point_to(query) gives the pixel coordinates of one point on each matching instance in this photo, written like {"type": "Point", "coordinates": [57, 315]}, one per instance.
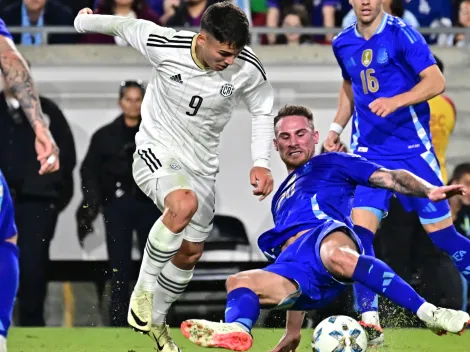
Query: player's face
{"type": "Point", "coordinates": [366, 10]}
{"type": "Point", "coordinates": [216, 55]}
{"type": "Point", "coordinates": [295, 140]}
{"type": "Point", "coordinates": [130, 102]}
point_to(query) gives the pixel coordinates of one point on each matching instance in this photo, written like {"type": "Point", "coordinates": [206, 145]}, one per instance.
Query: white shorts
{"type": "Point", "coordinates": [158, 172]}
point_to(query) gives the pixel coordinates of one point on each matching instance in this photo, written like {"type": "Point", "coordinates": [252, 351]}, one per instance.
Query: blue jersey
{"type": "Point", "coordinates": [3, 30]}
{"type": "Point", "coordinates": [322, 190]}
{"type": "Point", "coordinates": [387, 64]}
{"type": "Point", "coordinates": [7, 214]}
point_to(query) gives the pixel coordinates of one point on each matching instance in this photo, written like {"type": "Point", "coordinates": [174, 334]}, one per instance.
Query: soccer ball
{"type": "Point", "coordinates": [339, 333]}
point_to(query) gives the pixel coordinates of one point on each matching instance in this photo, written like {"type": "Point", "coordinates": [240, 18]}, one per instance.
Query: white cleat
{"type": "Point", "coordinates": [139, 316]}
{"type": "Point", "coordinates": [3, 344]}
{"type": "Point", "coordinates": [445, 321]}
{"type": "Point", "coordinates": [205, 333]}
{"type": "Point", "coordinates": [161, 335]}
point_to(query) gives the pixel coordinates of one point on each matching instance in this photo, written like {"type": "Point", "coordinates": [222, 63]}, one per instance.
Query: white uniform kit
{"type": "Point", "coordinates": [185, 109]}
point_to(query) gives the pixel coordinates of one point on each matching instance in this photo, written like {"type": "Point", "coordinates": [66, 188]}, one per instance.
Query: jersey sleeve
{"type": "Point", "coordinates": [414, 48]}
{"type": "Point", "coordinates": [344, 73]}
{"type": "Point", "coordinates": [136, 32]}
{"type": "Point", "coordinates": [3, 30]}
{"type": "Point", "coordinates": [358, 168]}
{"type": "Point", "coordinates": [257, 94]}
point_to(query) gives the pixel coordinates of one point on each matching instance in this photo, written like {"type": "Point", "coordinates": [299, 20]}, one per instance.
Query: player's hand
{"type": "Point", "coordinates": [47, 150]}
{"type": "Point", "coordinates": [333, 142]}
{"type": "Point", "coordinates": [262, 180]}
{"type": "Point", "coordinates": [384, 106]}
{"type": "Point", "coordinates": [288, 343]}
{"type": "Point", "coordinates": [86, 11]}
{"type": "Point", "coordinates": [439, 193]}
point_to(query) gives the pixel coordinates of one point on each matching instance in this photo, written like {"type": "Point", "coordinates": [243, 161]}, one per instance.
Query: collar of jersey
{"type": "Point", "coordinates": [193, 54]}
{"type": "Point", "coordinates": [379, 29]}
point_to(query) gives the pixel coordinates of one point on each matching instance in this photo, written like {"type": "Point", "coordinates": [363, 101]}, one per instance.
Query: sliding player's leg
{"type": "Point", "coordinates": [291, 283]}
{"type": "Point", "coordinates": [340, 256]}
{"type": "Point", "coordinates": [9, 268]}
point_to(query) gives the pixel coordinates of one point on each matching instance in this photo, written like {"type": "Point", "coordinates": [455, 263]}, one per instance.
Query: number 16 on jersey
{"type": "Point", "coordinates": [370, 84]}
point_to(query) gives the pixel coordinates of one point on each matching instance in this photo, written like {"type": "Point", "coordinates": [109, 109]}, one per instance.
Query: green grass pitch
{"type": "Point", "coordinates": [125, 340]}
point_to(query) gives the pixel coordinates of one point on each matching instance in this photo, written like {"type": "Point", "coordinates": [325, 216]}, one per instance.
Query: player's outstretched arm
{"type": "Point", "coordinates": [405, 182]}
{"type": "Point", "coordinates": [135, 31]}
{"type": "Point", "coordinates": [343, 115]}
{"type": "Point", "coordinates": [291, 338]}
{"type": "Point", "coordinates": [19, 80]}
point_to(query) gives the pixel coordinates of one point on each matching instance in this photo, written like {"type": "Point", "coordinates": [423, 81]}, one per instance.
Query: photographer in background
{"type": "Point", "coordinates": [38, 199]}
{"type": "Point", "coordinates": [108, 187]}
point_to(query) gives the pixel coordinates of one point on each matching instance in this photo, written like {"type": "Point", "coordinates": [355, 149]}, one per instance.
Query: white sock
{"type": "Point", "coordinates": [162, 245]}
{"type": "Point", "coordinates": [171, 283]}
{"type": "Point", "coordinates": [371, 317]}
{"type": "Point", "coordinates": [425, 312]}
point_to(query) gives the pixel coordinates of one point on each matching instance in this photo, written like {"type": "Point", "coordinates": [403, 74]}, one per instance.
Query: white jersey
{"type": "Point", "coordinates": [186, 106]}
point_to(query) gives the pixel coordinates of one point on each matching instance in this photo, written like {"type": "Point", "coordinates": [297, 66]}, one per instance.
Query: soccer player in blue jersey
{"type": "Point", "coordinates": [313, 246]}
{"type": "Point", "coordinates": [16, 73]}
{"type": "Point", "coordinates": [389, 74]}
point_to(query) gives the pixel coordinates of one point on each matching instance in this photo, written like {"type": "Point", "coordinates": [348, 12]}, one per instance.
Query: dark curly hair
{"type": "Point", "coordinates": [106, 7]}
{"type": "Point", "coordinates": [227, 23]}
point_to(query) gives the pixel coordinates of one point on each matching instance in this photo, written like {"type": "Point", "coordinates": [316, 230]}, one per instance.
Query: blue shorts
{"type": "Point", "coordinates": [425, 166]}
{"type": "Point", "coordinates": [7, 214]}
{"type": "Point", "coordinates": [301, 263]}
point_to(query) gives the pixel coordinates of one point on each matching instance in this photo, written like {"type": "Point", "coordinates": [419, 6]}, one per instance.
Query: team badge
{"type": "Point", "coordinates": [367, 57]}
{"type": "Point", "coordinates": [227, 90]}
{"type": "Point", "coordinates": [382, 56]}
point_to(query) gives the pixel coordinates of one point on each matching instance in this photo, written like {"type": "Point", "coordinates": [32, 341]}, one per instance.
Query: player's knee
{"type": "Point", "coordinates": [239, 280]}
{"type": "Point", "coordinates": [342, 262]}
{"type": "Point", "coordinates": [180, 206]}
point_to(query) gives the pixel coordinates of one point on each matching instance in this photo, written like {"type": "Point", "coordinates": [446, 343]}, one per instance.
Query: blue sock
{"type": "Point", "coordinates": [242, 307]}
{"type": "Point", "coordinates": [365, 299]}
{"type": "Point", "coordinates": [9, 276]}
{"type": "Point", "coordinates": [380, 278]}
{"type": "Point", "coordinates": [456, 246]}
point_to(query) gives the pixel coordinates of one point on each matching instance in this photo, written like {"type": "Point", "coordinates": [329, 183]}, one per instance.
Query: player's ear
{"type": "Point", "coordinates": [316, 136]}
{"type": "Point", "coordinates": [201, 38]}
{"type": "Point", "coordinates": [275, 144]}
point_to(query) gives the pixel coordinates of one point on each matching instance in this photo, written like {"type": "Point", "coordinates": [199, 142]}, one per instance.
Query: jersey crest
{"type": "Point", "coordinates": [227, 90]}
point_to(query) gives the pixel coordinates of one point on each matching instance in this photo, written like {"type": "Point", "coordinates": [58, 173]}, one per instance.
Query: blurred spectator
{"type": "Point", "coordinates": [258, 13]}
{"type": "Point", "coordinates": [463, 20]}
{"type": "Point", "coordinates": [393, 7]}
{"type": "Point", "coordinates": [184, 13]}
{"type": "Point", "coordinates": [108, 187]}
{"type": "Point", "coordinates": [296, 17]}
{"type": "Point", "coordinates": [320, 12]}
{"type": "Point", "coordinates": [38, 199]}
{"type": "Point", "coordinates": [39, 13]}
{"type": "Point", "coordinates": [443, 118]}
{"type": "Point", "coordinates": [460, 205]}
{"type": "Point", "coordinates": [432, 13]}
{"type": "Point", "coordinates": [126, 8]}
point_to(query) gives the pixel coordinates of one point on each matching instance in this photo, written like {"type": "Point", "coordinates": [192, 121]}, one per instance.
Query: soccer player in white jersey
{"type": "Point", "coordinates": [197, 80]}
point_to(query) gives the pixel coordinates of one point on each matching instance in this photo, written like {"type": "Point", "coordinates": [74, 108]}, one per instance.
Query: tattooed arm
{"type": "Point", "coordinates": [401, 181]}
{"type": "Point", "coordinates": [20, 83]}
{"type": "Point", "coordinates": [404, 182]}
